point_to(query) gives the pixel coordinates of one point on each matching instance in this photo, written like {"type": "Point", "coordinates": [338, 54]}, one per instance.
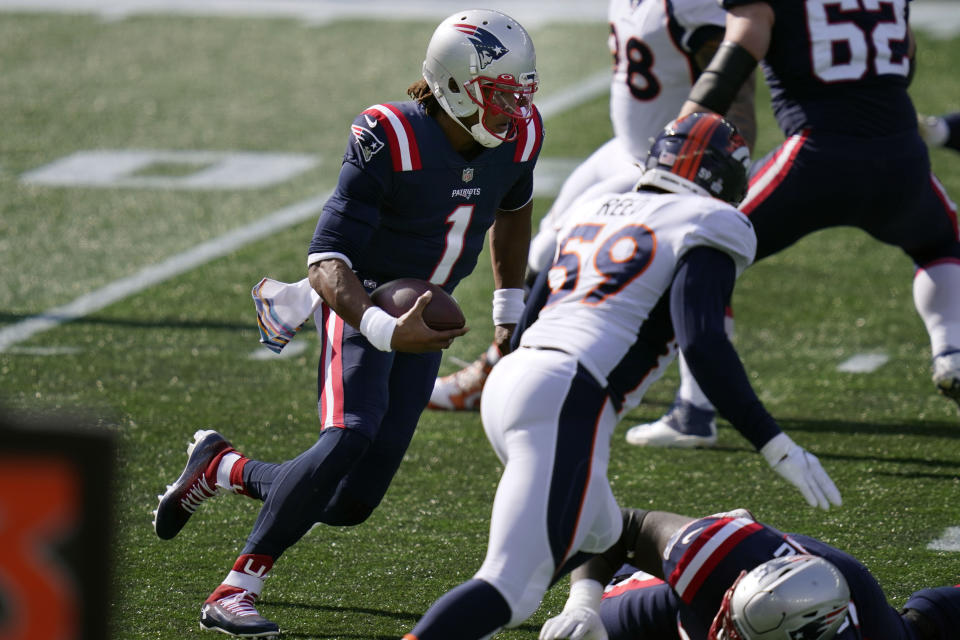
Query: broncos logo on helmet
{"type": "Point", "coordinates": [488, 46]}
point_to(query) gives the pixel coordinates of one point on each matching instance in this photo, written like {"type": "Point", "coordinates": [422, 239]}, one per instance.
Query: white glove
{"type": "Point", "coordinates": [581, 623]}
{"type": "Point", "coordinates": [580, 618]}
{"type": "Point", "coordinates": [802, 469]}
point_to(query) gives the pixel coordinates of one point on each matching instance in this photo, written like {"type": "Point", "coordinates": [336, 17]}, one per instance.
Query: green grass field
{"type": "Point", "coordinates": [176, 356]}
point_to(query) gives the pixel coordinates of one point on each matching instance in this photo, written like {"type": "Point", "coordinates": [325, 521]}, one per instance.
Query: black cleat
{"type": "Point", "coordinates": [192, 487]}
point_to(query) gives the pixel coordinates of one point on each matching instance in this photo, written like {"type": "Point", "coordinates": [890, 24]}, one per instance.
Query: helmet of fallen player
{"type": "Point", "coordinates": [700, 153]}
{"type": "Point", "coordinates": [799, 597]}
{"type": "Point", "coordinates": [482, 61]}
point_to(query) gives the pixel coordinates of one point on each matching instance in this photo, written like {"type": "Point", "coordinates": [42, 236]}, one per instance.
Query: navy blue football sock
{"type": "Point", "coordinates": [258, 477]}
{"type": "Point", "coordinates": [468, 612]}
{"type": "Point", "coordinates": [690, 419]}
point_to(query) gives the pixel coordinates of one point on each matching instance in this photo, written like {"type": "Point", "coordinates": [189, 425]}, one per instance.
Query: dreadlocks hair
{"type": "Point", "coordinates": [420, 91]}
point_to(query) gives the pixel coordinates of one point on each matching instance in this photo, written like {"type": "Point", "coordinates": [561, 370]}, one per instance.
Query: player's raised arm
{"type": "Point", "coordinates": [745, 43]}
{"type": "Point", "coordinates": [742, 112]}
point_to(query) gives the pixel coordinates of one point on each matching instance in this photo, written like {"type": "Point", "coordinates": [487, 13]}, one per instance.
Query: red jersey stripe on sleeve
{"type": "Point", "coordinates": [403, 144]}
{"type": "Point", "coordinates": [529, 138]}
{"type": "Point", "coordinates": [706, 552]}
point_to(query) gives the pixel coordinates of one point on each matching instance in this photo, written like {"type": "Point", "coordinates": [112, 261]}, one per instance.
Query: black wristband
{"type": "Point", "coordinates": [719, 83]}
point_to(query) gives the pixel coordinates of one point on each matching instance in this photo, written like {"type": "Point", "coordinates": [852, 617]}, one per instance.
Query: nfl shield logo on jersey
{"type": "Point", "coordinates": [369, 144]}
{"type": "Point", "coordinates": [467, 174]}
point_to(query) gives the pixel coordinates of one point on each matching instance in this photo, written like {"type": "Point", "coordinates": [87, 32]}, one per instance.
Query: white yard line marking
{"type": "Point", "coordinates": [199, 255]}
{"type": "Point", "coordinates": [155, 274]}
{"type": "Point", "coordinates": [949, 541]}
{"type": "Point", "coordinates": [941, 18]}
{"type": "Point", "coordinates": [292, 350]}
{"type": "Point", "coordinates": [530, 14]}
{"type": "Point", "coordinates": [863, 363]}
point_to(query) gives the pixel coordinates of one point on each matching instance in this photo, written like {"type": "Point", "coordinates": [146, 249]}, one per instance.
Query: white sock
{"type": "Point", "coordinates": [936, 295]}
{"type": "Point", "coordinates": [935, 131]}
{"type": "Point", "coordinates": [224, 469]}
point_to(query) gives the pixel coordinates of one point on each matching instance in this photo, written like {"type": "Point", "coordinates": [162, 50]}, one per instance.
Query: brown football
{"type": "Point", "coordinates": [397, 297]}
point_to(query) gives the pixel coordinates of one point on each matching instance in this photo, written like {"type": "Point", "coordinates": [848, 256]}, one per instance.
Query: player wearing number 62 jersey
{"type": "Point", "coordinates": [838, 73]}
{"type": "Point", "coordinates": [632, 271]}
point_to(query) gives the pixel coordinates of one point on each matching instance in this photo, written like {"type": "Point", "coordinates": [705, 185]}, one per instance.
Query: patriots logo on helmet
{"type": "Point", "coordinates": [811, 631]}
{"type": "Point", "coordinates": [488, 46]}
{"type": "Point", "coordinates": [369, 144]}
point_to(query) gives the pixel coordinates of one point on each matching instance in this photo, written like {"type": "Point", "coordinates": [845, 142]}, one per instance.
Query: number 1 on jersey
{"type": "Point", "coordinates": [458, 221]}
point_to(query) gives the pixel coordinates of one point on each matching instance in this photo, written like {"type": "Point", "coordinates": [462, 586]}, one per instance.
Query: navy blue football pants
{"type": "Point", "coordinates": [369, 403]}
{"type": "Point", "coordinates": [883, 186]}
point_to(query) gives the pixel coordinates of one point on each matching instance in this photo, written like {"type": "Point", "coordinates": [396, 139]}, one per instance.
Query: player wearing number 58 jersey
{"type": "Point", "coordinates": [838, 72]}
{"type": "Point", "coordinates": [420, 184]}
{"type": "Point", "coordinates": [631, 272]}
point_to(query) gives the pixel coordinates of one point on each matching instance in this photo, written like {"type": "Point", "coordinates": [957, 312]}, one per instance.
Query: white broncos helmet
{"type": "Point", "coordinates": [799, 597]}
{"type": "Point", "coordinates": [482, 60]}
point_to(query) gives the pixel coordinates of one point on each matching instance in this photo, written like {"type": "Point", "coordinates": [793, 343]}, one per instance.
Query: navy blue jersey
{"type": "Point", "coordinates": [705, 557]}
{"type": "Point", "coordinates": [408, 205]}
{"type": "Point", "coordinates": [839, 65]}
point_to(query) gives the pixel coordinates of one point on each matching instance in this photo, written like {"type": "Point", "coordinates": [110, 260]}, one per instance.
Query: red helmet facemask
{"type": "Point", "coordinates": [723, 627]}
{"type": "Point", "coordinates": [503, 96]}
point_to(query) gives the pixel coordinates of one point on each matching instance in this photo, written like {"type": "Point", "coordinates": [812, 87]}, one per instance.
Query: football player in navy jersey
{"type": "Point", "coordinates": [632, 271]}
{"type": "Point", "coordinates": [420, 184]}
{"type": "Point", "coordinates": [728, 577]}
{"type": "Point", "coordinates": [941, 131]}
{"type": "Point", "coordinates": [838, 74]}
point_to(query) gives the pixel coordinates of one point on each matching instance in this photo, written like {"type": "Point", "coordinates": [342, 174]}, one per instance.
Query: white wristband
{"type": "Point", "coordinates": [586, 594]}
{"type": "Point", "coordinates": [377, 327]}
{"type": "Point", "coordinates": [507, 306]}
{"type": "Point", "coordinates": [776, 448]}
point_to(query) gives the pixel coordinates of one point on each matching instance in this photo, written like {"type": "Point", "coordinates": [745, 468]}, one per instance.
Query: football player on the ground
{"type": "Point", "coordinates": [941, 131]}
{"type": "Point", "coordinates": [852, 155]}
{"type": "Point", "coordinates": [636, 270]}
{"type": "Point", "coordinates": [421, 183]}
{"type": "Point", "coordinates": [659, 49]}
{"type": "Point", "coordinates": [728, 577]}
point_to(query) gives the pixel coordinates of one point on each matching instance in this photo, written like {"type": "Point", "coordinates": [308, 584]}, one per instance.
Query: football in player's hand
{"type": "Point", "coordinates": [398, 296]}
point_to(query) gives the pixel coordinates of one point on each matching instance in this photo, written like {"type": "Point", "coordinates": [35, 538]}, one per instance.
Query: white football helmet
{"type": "Point", "coordinates": [799, 597]}
{"type": "Point", "coordinates": [483, 60]}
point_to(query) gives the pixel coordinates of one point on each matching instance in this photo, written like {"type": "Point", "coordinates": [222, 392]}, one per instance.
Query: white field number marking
{"type": "Point", "coordinates": [202, 169]}
{"type": "Point", "coordinates": [863, 363]}
{"type": "Point", "coordinates": [949, 541]}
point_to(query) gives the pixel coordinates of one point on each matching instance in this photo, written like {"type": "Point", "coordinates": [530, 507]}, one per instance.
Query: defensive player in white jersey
{"type": "Point", "coordinates": [632, 271]}
{"type": "Point", "coordinates": [659, 48]}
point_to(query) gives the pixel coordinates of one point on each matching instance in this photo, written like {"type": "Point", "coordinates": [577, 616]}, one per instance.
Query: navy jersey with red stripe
{"type": "Point", "coordinates": [705, 557]}
{"type": "Point", "coordinates": [407, 204]}
{"type": "Point", "coordinates": [839, 65]}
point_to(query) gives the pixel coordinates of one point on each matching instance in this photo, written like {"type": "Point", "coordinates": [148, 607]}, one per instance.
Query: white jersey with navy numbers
{"type": "Point", "coordinates": [652, 43]}
{"type": "Point", "coordinates": [615, 261]}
